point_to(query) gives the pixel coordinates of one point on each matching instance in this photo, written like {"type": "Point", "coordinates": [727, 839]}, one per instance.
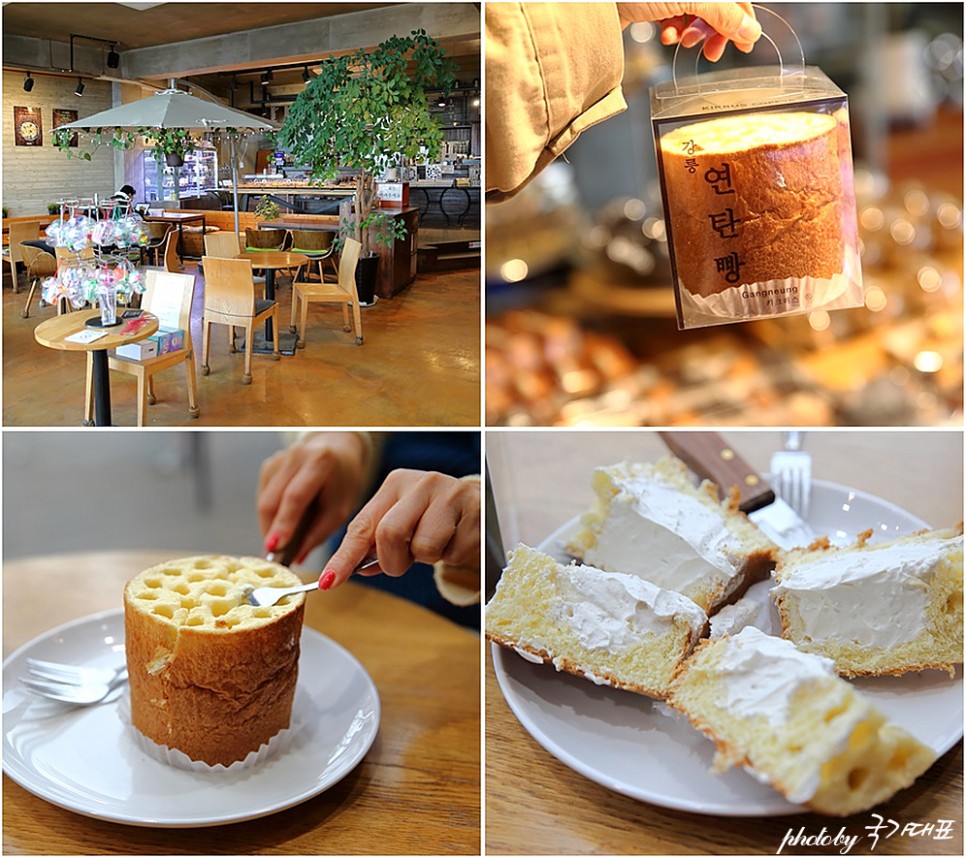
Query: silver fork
{"type": "Point", "coordinates": [265, 597]}
{"type": "Point", "coordinates": [791, 473]}
{"type": "Point", "coordinates": [81, 686]}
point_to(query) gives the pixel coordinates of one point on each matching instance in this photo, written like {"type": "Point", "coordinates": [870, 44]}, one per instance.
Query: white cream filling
{"type": "Point", "coordinates": [607, 610]}
{"type": "Point", "coordinates": [669, 538]}
{"type": "Point", "coordinates": [760, 674]}
{"type": "Point", "coordinates": [875, 598]}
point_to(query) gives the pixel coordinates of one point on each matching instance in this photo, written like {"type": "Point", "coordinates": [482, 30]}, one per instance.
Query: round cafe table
{"type": "Point", "coordinates": [270, 261]}
{"type": "Point", "coordinates": [53, 333]}
{"type": "Point", "coordinates": [417, 791]}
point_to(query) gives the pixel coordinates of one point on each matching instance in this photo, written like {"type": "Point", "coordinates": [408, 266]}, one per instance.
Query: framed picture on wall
{"type": "Point", "coordinates": [28, 127]}
{"type": "Point", "coordinates": [63, 116]}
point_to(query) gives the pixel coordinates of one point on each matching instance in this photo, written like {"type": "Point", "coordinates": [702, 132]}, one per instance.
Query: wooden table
{"type": "Point", "coordinates": [180, 219]}
{"type": "Point", "coordinates": [416, 792]}
{"type": "Point", "coordinates": [53, 334]}
{"type": "Point", "coordinates": [270, 261]}
{"type": "Point", "coordinates": [537, 805]}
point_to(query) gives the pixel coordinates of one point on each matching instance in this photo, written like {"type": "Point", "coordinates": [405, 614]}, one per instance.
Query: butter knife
{"type": "Point", "coordinates": [707, 454]}
{"type": "Point", "coordinates": [286, 556]}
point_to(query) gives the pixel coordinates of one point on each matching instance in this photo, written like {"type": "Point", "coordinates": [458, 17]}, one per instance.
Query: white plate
{"type": "Point", "coordinates": [627, 743]}
{"type": "Point", "coordinates": [87, 761]}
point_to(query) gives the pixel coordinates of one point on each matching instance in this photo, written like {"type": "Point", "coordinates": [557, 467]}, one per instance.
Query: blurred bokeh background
{"type": "Point", "coordinates": [580, 326]}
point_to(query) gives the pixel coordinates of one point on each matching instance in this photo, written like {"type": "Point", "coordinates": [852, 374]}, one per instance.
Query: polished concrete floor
{"type": "Point", "coordinates": [419, 366]}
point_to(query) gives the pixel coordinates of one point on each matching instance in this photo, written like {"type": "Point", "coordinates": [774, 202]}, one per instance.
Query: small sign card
{"type": "Point", "coordinates": [88, 335]}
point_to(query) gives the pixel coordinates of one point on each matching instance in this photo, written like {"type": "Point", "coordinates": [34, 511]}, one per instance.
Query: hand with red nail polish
{"type": "Point", "coordinates": [414, 517]}
{"type": "Point", "coordinates": [327, 466]}
{"type": "Point", "coordinates": [690, 23]}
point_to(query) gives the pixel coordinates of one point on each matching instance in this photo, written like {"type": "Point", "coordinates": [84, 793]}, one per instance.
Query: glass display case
{"type": "Point", "coordinates": [198, 174]}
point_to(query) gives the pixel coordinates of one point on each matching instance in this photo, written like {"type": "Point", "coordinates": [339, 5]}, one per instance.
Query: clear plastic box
{"type": "Point", "coordinates": [755, 167]}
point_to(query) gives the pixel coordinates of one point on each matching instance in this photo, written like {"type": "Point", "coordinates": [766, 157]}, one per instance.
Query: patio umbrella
{"type": "Point", "coordinates": [174, 108]}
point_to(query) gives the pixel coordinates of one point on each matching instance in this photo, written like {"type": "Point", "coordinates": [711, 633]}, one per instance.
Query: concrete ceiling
{"type": "Point", "coordinates": [162, 23]}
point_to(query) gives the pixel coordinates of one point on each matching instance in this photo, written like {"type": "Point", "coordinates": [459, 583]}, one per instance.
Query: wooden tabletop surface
{"type": "Point", "coordinates": [53, 332]}
{"type": "Point", "coordinates": [537, 805]}
{"type": "Point", "coordinates": [274, 258]}
{"type": "Point", "coordinates": [416, 792]}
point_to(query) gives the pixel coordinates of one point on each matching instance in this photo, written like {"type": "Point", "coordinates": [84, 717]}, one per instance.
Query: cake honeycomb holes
{"type": "Point", "coordinates": [165, 611]}
{"type": "Point", "coordinates": [857, 777]}
{"type": "Point", "coordinates": [202, 564]}
{"type": "Point", "coordinates": [794, 749]}
{"type": "Point", "coordinates": [195, 621]}
{"type": "Point", "coordinates": [152, 582]}
{"type": "Point", "coordinates": [189, 603]}
{"type": "Point", "coordinates": [265, 573]}
{"type": "Point", "coordinates": [218, 589]}
{"type": "Point", "coordinates": [898, 760]}
{"type": "Point", "coordinates": [195, 577]}
{"type": "Point", "coordinates": [181, 589]}
{"type": "Point", "coordinates": [147, 595]}
{"type": "Point", "coordinates": [261, 613]}
{"type": "Point", "coordinates": [220, 607]}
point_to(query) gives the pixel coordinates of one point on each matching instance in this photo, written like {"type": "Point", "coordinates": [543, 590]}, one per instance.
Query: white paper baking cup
{"type": "Point", "coordinates": [773, 298]}
{"type": "Point", "coordinates": [277, 745]}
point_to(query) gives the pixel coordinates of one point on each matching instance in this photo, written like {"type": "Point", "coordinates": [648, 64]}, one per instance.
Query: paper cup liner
{"type": "Point", "coordinates": [773, 298]}
{"type": "Point", "coordinates": [276, 746]}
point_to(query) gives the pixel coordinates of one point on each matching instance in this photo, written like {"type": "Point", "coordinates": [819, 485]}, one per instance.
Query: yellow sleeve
{"type": "Point", "coordinates": [552, 70]}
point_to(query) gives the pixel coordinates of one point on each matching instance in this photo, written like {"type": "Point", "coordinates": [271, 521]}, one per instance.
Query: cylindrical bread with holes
{"type": "Point", "coordinates": [210, 674]}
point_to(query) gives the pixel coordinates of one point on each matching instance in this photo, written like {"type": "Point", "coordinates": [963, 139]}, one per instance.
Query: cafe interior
{"type": "Point", "coordinates": [580, 314]}
{"type": "Point", "coordinates": [145, 251]}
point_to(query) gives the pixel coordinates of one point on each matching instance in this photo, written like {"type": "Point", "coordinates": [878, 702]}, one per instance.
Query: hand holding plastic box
{"type": "Point", "coordinates": [756, 179]}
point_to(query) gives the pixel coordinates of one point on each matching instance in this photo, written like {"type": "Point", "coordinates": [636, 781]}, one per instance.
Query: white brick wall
{"type": "Point", "coordinates": [36, 175]}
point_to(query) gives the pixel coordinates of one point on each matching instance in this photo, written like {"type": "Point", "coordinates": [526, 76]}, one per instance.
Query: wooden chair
{"type": "Point", "coordinates": [40, 265]}
{"type": "Point", "coordinates": [222, 244]}
{"type": "Point", "coordinates": [172, 264]}
{"type": "Point", "coordinates": [157, 237]}
{"type": "Point", "coordinates": [342, 292]}
{"type": "Point", "coordinates": [265, 239]}
{"type": "Point", "coordinates": [226, 245]}
{"type": "Point", "coordinates": [19, 231]}
{"type": "Point", "coordinates": [230, 300]}
{"type": "Point", "coordinates": [317, 245]}
{"type": "Point", "coordinates": [163, 291]}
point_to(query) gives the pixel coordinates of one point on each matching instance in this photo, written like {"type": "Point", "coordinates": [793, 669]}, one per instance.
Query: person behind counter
{"type": "Point", "coordinates": [555, 69]}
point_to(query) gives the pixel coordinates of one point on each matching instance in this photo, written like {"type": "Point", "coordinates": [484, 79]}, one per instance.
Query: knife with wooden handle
{"type": "Point", "coordinates": [710, 457]}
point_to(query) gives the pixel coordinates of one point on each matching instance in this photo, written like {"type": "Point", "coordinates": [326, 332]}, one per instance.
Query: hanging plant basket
{"type": "Point", "coordinates": [174, 159]}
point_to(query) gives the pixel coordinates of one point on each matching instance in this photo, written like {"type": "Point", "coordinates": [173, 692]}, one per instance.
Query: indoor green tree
{"type": "Point", "coordinates": [365, 111]}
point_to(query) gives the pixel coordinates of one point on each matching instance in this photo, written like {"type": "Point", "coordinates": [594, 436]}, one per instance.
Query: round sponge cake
{"type": "Point", "coordinates": [760, 205]}
{"type": "Point", "coordinates": [211, 675]}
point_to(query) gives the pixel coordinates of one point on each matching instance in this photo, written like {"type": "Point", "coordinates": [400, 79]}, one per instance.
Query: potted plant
{"type": "Point", "coordinates": [170, 144]}
{"type": "Point", "coordinates": [365, 111]}
{"type": "Point", "coordinates": [267, 208]}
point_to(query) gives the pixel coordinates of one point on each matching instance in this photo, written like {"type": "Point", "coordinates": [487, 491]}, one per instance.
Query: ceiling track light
{"type": "Point", "coordinates": [79, 89]}
{"type": "Point", "coordinates": [28, 83]}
